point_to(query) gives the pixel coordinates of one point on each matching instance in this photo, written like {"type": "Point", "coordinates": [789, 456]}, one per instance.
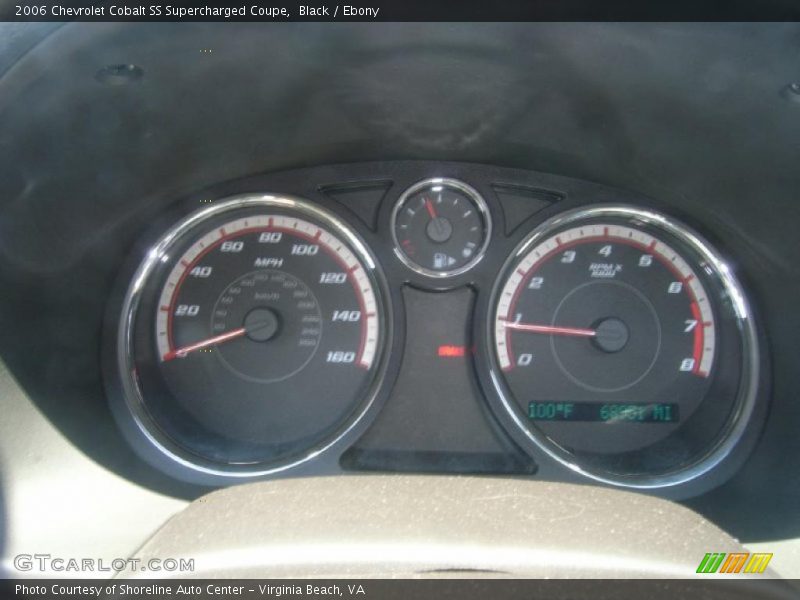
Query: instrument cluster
{"type": "Point", "coordinates": [434, 317]}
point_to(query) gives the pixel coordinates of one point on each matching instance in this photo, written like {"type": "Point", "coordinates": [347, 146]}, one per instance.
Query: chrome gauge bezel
{"type": "Point", "coordinates": [475, 198]}
{"type": "Point", "coordinates": [715, 266]}
{"type": "Point", "coordinates": [134, 411]}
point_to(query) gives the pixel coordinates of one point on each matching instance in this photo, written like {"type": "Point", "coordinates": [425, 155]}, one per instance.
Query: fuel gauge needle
{"type": "Point", "coordinates": [431, 209]}
{"type": "Point", "coordinates": [212, 341]}
{"type": "Point", "coordinates": [551, 330]}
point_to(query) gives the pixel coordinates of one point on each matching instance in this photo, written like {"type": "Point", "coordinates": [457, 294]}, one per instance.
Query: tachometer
{"type": "Point", "coordinates": [252, 336]}
{"type": "Point", "coordinates": [623, 347]}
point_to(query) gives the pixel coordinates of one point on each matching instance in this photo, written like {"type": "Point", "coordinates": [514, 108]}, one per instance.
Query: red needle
{"type": "Point", "coordinates": [575, 331]}
{"type": "Point", "coordinates": [431, 210]}
{"type": "Point", "coordinates": [212, 341]}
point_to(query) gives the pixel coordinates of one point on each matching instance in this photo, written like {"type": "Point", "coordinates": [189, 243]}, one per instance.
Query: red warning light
{"type": "Point", "coordinates": [452, 351]}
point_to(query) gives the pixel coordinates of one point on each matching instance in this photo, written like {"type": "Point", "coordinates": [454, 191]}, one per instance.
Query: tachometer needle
{"type": "Point", "coordinates": [550, 329]}
{"type": "Point", "coordinates": [431, 209]}
{"type": "Point", "coordinates": [212, 341]}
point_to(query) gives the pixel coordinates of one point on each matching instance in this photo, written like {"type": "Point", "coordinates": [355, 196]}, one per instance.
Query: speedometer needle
{"type": "Point", "coordinates": [550, 329]}
{"type": "Point", "coordinates": [212, 341]}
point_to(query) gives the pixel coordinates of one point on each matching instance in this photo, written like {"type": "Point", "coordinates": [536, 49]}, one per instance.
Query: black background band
{"type": "Point", "coordinates": [406, 10]}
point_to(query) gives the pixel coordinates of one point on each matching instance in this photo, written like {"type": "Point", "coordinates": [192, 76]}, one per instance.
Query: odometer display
{"type": "Point", "coordinates": [256, 336]}
{"type": "Point", "coordinates": [607, 413]}
{"type": "Point", "coordinates": [620, 345]}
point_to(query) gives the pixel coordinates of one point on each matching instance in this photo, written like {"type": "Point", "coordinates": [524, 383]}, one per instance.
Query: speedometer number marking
{"type": "Point", "coordinates": [307, 240]}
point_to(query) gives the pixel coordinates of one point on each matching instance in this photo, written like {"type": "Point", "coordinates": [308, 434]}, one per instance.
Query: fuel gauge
{"type": "Point", "coordinates": [441, 227]}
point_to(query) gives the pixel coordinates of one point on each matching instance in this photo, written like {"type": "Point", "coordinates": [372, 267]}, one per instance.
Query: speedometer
{"type": "Point", "coordinates": [623, 347]}
{"type": "Point", "coordinates": [252, 337]}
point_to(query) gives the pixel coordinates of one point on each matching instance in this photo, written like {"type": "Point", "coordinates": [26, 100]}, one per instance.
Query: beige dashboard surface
{"type": "Point", "coordinates": [401, 526]}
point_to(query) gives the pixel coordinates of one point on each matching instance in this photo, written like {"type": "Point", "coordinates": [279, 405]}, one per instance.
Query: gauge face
{"type": "Point", "coordinates": [621, 346]}
{"type": "Point", "coordinates": [255, 337]}
{"type": "Point", "coordinates": [441, 227]}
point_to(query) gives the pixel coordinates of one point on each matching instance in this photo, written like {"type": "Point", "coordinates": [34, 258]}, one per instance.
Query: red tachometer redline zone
{"type": "Point", "coordinates": [703, 326]}
{"type": "Point", "coordinates": [229, 232]}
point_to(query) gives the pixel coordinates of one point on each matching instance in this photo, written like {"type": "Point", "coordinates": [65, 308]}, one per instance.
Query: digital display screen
{"type": "Point", "coordinates": [607, 413]}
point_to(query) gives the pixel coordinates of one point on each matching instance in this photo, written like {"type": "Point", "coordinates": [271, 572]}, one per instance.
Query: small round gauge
{"type": "Point", "coordinates": [623, 347]}
{"type": "Point", "coordinates": [252, 337]}
{"type": "Point", "coordinates": [441, 227]}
